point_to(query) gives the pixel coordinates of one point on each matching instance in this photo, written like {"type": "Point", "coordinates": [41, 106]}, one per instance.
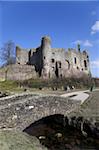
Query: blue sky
{"type": "Point", "coordinates": [66, 22]}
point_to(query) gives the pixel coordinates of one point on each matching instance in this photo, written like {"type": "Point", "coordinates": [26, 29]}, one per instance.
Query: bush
{"type": "Point", "coordinates": [57, 83]}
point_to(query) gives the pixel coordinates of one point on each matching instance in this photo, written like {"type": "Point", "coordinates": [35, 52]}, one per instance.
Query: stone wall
{"type": "Point", "coordinates": [18, 72]}
{"type": "Point", "coordinates": [19, 111]}
{"type": "Point", "coordinates": [55, 62]}
{"type": "Point", "coordinates": [35, 59]}
{"type": "Point", "coordinates": [21, 56]}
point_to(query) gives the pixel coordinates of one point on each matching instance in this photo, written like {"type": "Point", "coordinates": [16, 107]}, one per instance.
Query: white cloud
{"type": "Point", "coordinates": [85, 43]}
{"type": "Point", "coordinates": [95, 27]}
{"type": "Point", "coordinates": [95, 64]}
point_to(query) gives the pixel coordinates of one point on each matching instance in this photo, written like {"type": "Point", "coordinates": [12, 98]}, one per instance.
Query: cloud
{"type": "Point", "coordinates": [95, 27]}
{"type": "Point", "coordinates": [85, 43]}
{"type": "Point", "coordinates": [95, 64]}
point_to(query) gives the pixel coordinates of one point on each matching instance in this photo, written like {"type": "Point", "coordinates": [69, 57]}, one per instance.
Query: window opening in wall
{"type": "Point", "coordinates": [61, 75]}
{"type": "Point", "coordinates": [44, 57]}
{"type": "Point", "coordinates": [56, 70]}
{"type": "Point", "coordinates": [77, 68]}
{"type": "Point", "coordinates": [53, 60]}
{"type": "Point", "coordinates": [82, 69]}
{"type": "Point", "coordinates": [85, 64]}
{"type": "Point", "coordinates": [29, 54]}
{"type": "Point", "coordinates": [75, 60]}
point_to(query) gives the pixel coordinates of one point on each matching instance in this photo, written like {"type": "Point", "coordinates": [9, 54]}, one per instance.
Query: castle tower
{"type": "Point", "coordinates": [46, 56]}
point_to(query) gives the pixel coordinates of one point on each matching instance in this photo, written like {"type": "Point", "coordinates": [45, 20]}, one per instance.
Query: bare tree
{"type": "Point", "coordinates": [7, 54]}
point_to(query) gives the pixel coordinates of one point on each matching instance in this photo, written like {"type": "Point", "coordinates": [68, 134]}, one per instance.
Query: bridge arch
{"type": "Point", "coordinates": [22, 110]}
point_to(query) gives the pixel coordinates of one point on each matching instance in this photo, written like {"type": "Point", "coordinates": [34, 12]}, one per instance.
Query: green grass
{"type": "Point", "coordinates": [18, 86]}
{"type": "Point", "coordinates": [9, 86]}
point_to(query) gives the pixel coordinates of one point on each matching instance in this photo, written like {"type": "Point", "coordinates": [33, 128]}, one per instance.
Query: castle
{"type": "Point", "coordinates": [51, 62]}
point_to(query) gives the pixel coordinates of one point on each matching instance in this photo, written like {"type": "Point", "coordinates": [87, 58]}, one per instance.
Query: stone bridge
{"type": "Point", "coordinates": [19, 111]}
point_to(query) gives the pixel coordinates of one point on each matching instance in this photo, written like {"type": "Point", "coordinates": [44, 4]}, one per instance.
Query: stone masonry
{"type": "Point", "coordinates": [54, 62]}
{"type": "Point", "coordinates": [20, 110]}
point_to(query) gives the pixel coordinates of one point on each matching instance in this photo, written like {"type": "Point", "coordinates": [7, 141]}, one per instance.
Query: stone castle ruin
{"type": "Point", "coordinates": [49, 62]}
{"type": "Point", "coordinates": [46, 62]}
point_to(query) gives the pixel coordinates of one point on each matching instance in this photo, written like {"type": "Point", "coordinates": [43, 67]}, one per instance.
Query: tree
{"type": "Point", "coordinates": [7, 54]}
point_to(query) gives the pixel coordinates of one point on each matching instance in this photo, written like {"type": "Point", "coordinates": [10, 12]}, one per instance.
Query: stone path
{"type": "Point", "coordinates": [79, 95]}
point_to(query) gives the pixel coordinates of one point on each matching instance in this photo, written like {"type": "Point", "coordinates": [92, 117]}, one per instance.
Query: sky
{"type": "Point", "coordinates": [66, 22]}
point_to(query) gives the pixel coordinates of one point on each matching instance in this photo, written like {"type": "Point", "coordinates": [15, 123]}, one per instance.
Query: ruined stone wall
{"type": "Point", "coordinates": [54, 62]}
{"type": "Point", "coordinates": [35, 59]}
{"type": "Point", "coordinates": [68, 63]}
{"type": "Point", "coordinates": [29, 57]}
{"type": "Point", "coordinates": [18, 72]}
{"type": "Point", "coordinates": [59, 64]}
{"type": "Point", "coordinates": [85, 57]}
{"type": "Point", "coordinates": [77, 65]}
{"type": "Point", "coordinates": [21, 56]}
